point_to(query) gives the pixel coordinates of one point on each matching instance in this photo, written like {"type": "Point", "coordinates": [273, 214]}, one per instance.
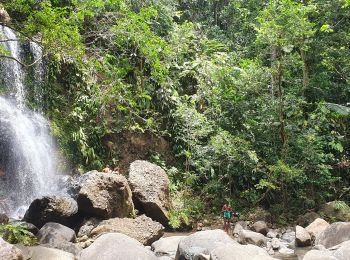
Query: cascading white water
{"type": "Point", "coordinates": [37, 52]}
{"type": "Point", "coordinates": [27, 151]}
{"type": "Point", "coordinates": [14, 75]}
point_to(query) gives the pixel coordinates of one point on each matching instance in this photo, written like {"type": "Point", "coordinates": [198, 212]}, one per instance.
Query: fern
{"type": "Point", "coordinates": [17, 234]}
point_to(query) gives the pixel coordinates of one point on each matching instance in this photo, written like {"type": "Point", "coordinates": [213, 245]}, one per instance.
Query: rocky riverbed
{"type": "Point", "coordinates": [97, 221]}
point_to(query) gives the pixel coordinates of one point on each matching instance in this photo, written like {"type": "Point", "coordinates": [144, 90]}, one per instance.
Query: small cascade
{"type": "Point", "coordinates": [13, 76]}
{"type": "Point", "coordinates": [27, 152]}
{"type": "Point", "coordinates": [37, 52]}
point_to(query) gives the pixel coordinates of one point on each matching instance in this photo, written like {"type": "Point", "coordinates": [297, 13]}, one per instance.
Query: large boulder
{"type": "Point", "coordinates": [58, 209]}
{"type": "Point", "coordinates": [9, 252]}
{"type": "Point", "coordinates": [55, 231]}
{"type": "Point", "coordinates": [116, 246]}
{"type": "Point", "coordinates": [260, 227]}
{"type": "Point", "coordinates": [45, 253]}
{"type": "Point", "coordinates": [336, 210]}
{"type": "Point", "coordinates": [302, 237]}
{"type": "Point", "coordinates": [338, 252]}
{"type": "Point", "coordinates": [167, 246]}
{"type": "Point", "coordinates": [150, 188]}
{"type": "Point", "coordinates": [319, 255]}
{"type": "Point", "coordinates": [334, 234]}
{"type": "Point", "coordinates": [104, 195]}
{"type": "Point", "coordinates": [239, 252]}
{"type": "Point", "coordinates": [202, 242]}
{"type": "Point", "coordinates": [57, 236]}
{"type": "Point", "coordinates": [317, 227]}
{"type": "Point", "coordinates": [341, 251]}
{"type": "Point", "coordinates": [142, 228]}
{"type": "Point", "coordinates": [251, 237]}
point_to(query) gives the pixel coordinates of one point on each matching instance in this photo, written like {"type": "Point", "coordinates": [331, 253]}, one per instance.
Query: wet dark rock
{"type": "Point", "coordinates": [57, 209]}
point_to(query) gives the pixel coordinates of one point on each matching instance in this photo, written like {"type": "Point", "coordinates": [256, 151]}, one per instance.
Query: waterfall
{"type": "Point", "coordinates": [27, 151]}
{"type": "Point", "coordinates": [13, 76]}
{"type": "Point", "coordinates": [37, 52]}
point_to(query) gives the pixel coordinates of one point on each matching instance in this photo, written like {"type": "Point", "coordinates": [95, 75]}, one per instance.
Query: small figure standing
{"type": "Point", "coordinates": [227, 215]}
{"type": "Point", "coordinates": [116, 170]}
{"type": "Point", "coordinates": [107, 169]}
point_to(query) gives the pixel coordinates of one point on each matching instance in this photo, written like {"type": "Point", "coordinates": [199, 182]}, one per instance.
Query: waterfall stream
{"type": "Point", "coordinates": [27, 151]}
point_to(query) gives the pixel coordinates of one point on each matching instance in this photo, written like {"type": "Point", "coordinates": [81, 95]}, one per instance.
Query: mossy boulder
{"type": "Point", "coordinates": [336, 211]}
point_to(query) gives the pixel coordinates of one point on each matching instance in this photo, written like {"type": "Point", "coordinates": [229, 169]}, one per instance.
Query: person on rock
{"type": "Point", "coordinates": [116, 170]}
{"type": "Point", "coordinates": [107, 169]}
{"type": "Point", "coordinates": [227, 215]}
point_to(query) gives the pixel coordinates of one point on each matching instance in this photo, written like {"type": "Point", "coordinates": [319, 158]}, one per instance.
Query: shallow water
{"type": "Point", "coordinates": [299, 254]}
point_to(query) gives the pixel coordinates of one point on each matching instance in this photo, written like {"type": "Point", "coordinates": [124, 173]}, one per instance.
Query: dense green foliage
{"type": "Point", "coordinates": [252, 94]}
{"type": "Point", "coordinates": [17, 234]}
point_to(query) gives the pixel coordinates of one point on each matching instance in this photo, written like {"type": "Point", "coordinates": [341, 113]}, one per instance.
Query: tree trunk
{"type": "Point", "coordinates": [306, 78]}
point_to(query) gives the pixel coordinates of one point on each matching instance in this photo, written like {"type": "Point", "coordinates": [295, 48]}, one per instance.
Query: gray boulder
{"type": "Point", "coordinates": [150, 189]}
{"type": "Point", "coordinates": [341, 251]}
{"type": "Point", "coordinates": [302, 237]}
{"type": "Point", "coordinates": [142, 228]}
{"type": "Point", "coordinates": [239, 252]}
{"type": "Point", "coordinates": [104, 195]}
{"type": "Point", "coordinates": [58, 209]}
{"type": "Point", "coordinates": [285, 252]}
{"type": "Point", "coordinates": [317, 227]}
{"type": "Point", "coordinates": [272, 234]}
{"type": "Point", "coordinates": [260, 227]}
{"type": "Point", "coordinates": [338, 252]}
{"type": "Point", "coordinates": [251, 237]}
{"type": "Point", "coordinates": [337, 210]}
{"type": "Point", "coordinates": [319, 255]}
{"type": "Point", "coordinates": [9, 252]}
{"type": "Point", "coordinates": [116, 246]}
{"type": "Point", "coordinates": [275, 243]}
{"type": "Point", "coordinates": [334, 234]}
{"type": "Point", "coordinates": [55, 231]}
{"type": "Point", "coordinates": [288, 236]}
{"type": "Point", "coordinates": [202, 242]}
{"type": "Point", "coordinates": [238, 229]}
{"type": "Point", "coordinates": [167, 246]}
{"type": "Point", "coordinates": [45, 253]}
{"type": "Point", "coordinates": [57, 236]}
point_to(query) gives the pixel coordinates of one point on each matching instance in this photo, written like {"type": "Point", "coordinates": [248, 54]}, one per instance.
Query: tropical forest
{"type": "Point", "coordinates": [189, 129]}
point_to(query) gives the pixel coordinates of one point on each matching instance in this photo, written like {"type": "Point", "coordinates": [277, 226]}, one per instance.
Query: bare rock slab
{"type": "Point", "coordinates": [142, 228]}
{"type": "Point", "coordinates": [150, 188]}
{"type": "Point", "coordinates": [116, 246]}
{"type": "Point", "coordinates": [335, 234]}
{"type": "Point", "coordinates": [202, 242]}
{"type": "Point", "coordinates": [9, 252]}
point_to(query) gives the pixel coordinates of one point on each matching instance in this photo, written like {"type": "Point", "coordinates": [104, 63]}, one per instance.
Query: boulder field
{"type": "Point", "coordinates": [97, 220]}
